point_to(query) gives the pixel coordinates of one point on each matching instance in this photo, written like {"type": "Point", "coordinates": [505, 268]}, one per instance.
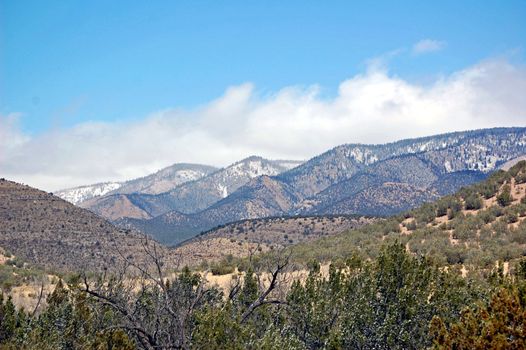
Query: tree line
{"type": "Point", "coordinates": [396, 301]}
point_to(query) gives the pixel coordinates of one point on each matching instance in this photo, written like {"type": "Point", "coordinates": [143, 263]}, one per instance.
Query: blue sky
{"type": "Point", "coordinates": [96, 91]}
{"type": "Point", "coordinates": [67, 62]}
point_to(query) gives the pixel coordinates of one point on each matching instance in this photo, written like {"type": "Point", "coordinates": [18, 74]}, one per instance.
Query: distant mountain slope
{"type": "Point", "coordinates": [362, 179]}
{"type": "Point", "coordinates": [479, 150]}
{"type": "Point", "coordinates": [161, 181]}
{"type": "Point", "coordinates": [50, 232]}
{"type": "Point", "coordinates": [190, 197]}
{"type": "Point", "coordinates": [199, 195]}
{"type": "Point", "coordinates": [261, 197]}
{"type": "Point", "coordinates": [476, 228]}
{"type": "Point", "coordinates": [450, 182]}
{"type": "Point", "coordinates": [426, 180]}
{"type": "Point", "coordinates": [166, 179]}
{"type": "Point", "coordinates": [440, 171]}
{"type": "Point", "coordinates": [403, 169]}
{"type": "Point", "coordinates": [115, 206]}
{"type": "Point", "coordinates": [435, 165]}
{"type": "Point", "coordinates": [77, 195]}
{"type": "Point", "coordinates": [388, 198]}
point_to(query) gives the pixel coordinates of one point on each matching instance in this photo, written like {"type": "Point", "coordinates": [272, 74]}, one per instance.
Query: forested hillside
{"type": "Point", "coordinates": [448, 275]}
{"type": "Point", "coordinates": [476, 227]}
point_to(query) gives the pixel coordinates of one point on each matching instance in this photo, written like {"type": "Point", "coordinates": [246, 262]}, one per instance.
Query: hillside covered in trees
{"type": "Point", "coordinates": [476, 227]}
{"type": "Point", "coordinates": [450, 274]}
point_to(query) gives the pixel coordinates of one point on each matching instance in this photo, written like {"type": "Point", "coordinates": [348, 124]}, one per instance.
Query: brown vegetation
{"type": "Point", "coordinates": [46, 231]}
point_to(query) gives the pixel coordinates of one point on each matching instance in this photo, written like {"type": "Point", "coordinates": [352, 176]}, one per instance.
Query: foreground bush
{"type": "Point", "coordinates": [384, 304]}
{"type": "Point", "coordinates": [498, 324]}
{"type": "Point", "coordinates": [396, 301]}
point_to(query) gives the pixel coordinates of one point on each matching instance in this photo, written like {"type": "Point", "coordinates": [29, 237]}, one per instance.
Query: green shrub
{"type": "Point", "coordinates": [442, 207]}
{"type": "Point", "coordinates": [485, 233]}
{"type": "Point", "coordinates": [488, 190]}
{"type": "Point", "coordinates": [223, 267]}
{"type": "Point", "coordinates": [508, 252]}
{"type": "Point", "coordinates": [411, 225]}
{"type": "Point", "coordinates": [454, 209]}
{"type": "Point", "coordinates": [467, 227]}
{"type": "Point", "coordinates": [473, 202]}
{"type": "Point", "coordinates": [516, 168]}
{"type": "Point", "coordinates": [487, 216]}
{"type": "Point", "coordinates": [389, 226]}
{"type": "Point", "coordinates": [496, 211]}
{"type": "Point", "coordinates": [500, 228]}
{"type": "Point", "coordinates": [16, 262]}
{"type": "Point", "coordinates": [511, 217]}
{"type": "Point", "coordinates": [518, 236]}
{"type": "Point", "coordinates": [426, 213]}
{"type": "Point", "coordinates": [463, 232]}
{"type": "Point", "coordinates": [520, 178]}
{"type": "Point", "coordinates": [504, 198]}
{"type": "Point", "coordinates": [480, 258]}
{"type": "Point", "coordinates": [456, 254]}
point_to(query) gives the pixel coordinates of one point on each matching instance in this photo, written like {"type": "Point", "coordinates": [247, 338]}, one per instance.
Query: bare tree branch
{"type": "Point", "coordinates": [40, 296]}
{"type": "Point", "coordinates": [261, 300]}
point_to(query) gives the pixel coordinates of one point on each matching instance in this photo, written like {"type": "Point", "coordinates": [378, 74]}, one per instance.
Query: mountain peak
{"type": "Point", "coordinates": [161, 181]}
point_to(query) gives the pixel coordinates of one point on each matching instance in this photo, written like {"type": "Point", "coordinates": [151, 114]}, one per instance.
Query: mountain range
{"type": "Point", "coordinates": [351, 179]}
{"type": "Point", "coordinates": [161, 181]}
{"type": "Point", "coordinates": [370, 180]}
{"type": "Point", "coordinates": [191, 196]}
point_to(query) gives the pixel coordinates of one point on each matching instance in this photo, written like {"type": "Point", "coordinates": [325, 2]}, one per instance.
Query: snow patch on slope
{"type": "Point", "coordinates": [79, 194]}
{"type": "Point", "coordinates": [223, 190]}
{"type": "Point", "coordinates": [189, 175]}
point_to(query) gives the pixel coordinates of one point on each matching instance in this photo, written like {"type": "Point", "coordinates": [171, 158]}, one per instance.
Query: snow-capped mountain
{"type": "Point", "coordinates": [77, 195]}
{"type": "Point", "coordinates": [198, 195]}
{"type": "Point", "coordinates": [353, 179]}
{"type": "Point", "coordinates": [189, 197]}
{"type": "Point", "coordinates": [229, 179]}
{"type": "Point", "coordinates": [166, 179]}
{"type": "Point", "coordinates": [161, 181]}
{"type": "Point", "coordinates": [479, 150]}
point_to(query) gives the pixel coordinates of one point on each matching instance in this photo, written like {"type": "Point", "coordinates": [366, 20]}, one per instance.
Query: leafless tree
{"type": "Point", "coordinates": [264, 298]}
{"type": "Point", "coordinates": [158, 308]}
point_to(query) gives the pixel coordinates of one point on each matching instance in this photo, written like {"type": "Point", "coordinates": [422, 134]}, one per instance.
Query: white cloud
{"type": "Point", "coordinates": [292, 123]}
{"type": "Point", "coordinates": [427, 46]}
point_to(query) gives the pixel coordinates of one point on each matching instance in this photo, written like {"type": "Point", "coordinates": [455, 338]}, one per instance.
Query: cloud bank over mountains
{"type": "Point", "coordinates": [292, 123]}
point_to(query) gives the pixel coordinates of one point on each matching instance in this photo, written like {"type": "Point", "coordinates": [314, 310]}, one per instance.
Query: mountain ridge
{"type": "Point", "coordinates": [435, 165]}
{"type": "Point", "coordinates": [192, 196]}
{"type": "Point", "coordinates": [155, 183]}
